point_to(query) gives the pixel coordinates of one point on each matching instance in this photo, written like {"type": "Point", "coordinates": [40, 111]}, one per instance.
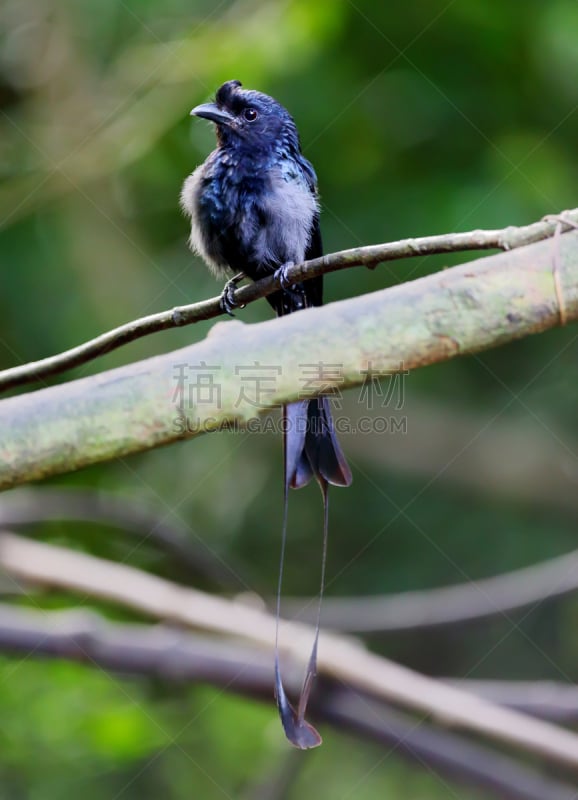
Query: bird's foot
{"type": "Point", "coordinates": [228, 302]}
{"type": "Point", "coordinates": [281, 275]}
{"type": "Point", "coordinates": [295, 291]}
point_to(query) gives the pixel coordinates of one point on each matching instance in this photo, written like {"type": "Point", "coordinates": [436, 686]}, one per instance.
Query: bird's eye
{"type": "Point", "coordinates": [250, 114]}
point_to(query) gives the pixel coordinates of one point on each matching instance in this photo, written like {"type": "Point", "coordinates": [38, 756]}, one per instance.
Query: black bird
{"type": "Point", "coordinates": [254, 210]}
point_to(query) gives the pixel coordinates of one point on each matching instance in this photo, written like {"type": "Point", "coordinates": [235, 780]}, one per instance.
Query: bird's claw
{"type": "Point", "coordinates": [281, 276]}
{"type": "Point", "coordinates": [227, 301]}
{"type": "Point", "coordinates": [295, 290]}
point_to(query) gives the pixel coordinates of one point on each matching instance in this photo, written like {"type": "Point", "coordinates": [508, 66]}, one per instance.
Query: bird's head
{"type": "Point", "coordinates": [249, 120]}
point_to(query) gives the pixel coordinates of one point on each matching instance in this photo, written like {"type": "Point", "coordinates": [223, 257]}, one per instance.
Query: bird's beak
{"type": "Point", "coordinates": [214, 113]}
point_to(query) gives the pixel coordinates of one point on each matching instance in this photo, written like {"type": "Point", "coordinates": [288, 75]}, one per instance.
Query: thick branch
{"type": "Point", "coordinates": [461, 310]}
{"type": "Point", "coordinates": [341, 659]}
{"type": "Point", "coordinates": [173, 655]}
{"type": "Point", "coordinates": [504, 239]}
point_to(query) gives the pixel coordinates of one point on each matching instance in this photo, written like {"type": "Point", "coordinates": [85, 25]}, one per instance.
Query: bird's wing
{"type": "Point", "coordinates": [314, 287]}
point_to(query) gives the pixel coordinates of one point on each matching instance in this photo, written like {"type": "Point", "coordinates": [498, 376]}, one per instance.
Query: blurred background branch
{"type": "Point", "coordinates": [31, 507]}
{"type": "Point", "coordinates": [175, 656]}
{"type": "Point", "coordinates": [448, 605]}
{"type": "Point", "coordinates": [343, 660]}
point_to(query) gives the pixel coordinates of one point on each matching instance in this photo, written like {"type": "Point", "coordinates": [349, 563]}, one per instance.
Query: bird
{"type": "Point", "coordinates": [254, 210]}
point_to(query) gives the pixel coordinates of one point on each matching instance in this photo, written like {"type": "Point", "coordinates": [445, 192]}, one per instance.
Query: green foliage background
{"type": "Point", "coordinates": [419, 118]}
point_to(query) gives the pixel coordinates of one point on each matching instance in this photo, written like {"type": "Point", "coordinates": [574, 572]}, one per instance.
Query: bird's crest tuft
{"type": "Point", "coordinates": [225, 93]}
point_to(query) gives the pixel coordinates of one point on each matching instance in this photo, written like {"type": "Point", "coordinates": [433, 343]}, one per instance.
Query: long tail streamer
{"type": "Point", "coordinates": [298, 731]}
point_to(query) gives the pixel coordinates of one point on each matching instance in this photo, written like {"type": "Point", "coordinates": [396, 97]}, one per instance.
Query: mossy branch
{"type": "Point", "coordinates": [478, 305]}
{"type": "Point", "coordinates": [369, 256]}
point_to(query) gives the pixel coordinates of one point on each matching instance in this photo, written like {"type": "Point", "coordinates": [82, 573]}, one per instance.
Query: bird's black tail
{"type": "Point", "coordinates": [311, 449]}
{"type": "Point", "coordinates": [311, 445]}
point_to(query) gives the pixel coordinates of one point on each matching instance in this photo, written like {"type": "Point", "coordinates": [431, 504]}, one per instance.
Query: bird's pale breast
{"type": "Point", "coordinates": [264, 222]}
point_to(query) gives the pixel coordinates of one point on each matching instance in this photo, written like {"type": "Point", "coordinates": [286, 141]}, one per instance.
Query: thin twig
{"type": "Point", "coordinates": [339, 658]}
{"type": "Point", "coordinates": [177, 656]}
{"type": "Point", "coordinates": [449, 605]}
{"type": "Point", "coordinates": [370, 256]}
